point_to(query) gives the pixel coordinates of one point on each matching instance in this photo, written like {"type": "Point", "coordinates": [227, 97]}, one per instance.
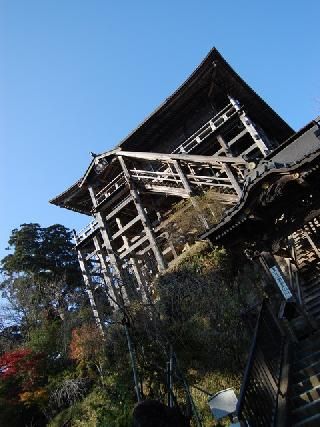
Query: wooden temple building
{"type": "Point", "coordinates": [215, 133]}
{"type": "Point", "coordinates": [206, 135]}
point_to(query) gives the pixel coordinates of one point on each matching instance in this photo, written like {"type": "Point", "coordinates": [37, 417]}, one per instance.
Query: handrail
{"type": "Point", "coordinates": [211, 126]}
{"type": "Point", "coordinates": [86, 231]}
{"type": "Point", "coordinates": [110, 188]}
{"type": "Point", "coordinates": [257, 405]}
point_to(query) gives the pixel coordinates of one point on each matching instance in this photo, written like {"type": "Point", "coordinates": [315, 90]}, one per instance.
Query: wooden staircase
{"type": "Point", "coordinates": [281, 384]}
{"type": "Point", "coordinates": [304, 381]}
{"type": "Point", "coordinates": [310, 286]}
{"type": "Point", "coordinates": [307, 257]}
{"type": "Point", "coordinates": [304, 389]}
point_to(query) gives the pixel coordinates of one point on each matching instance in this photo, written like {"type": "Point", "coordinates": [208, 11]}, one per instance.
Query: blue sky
{"type": "Point", "coordinates": [77, 76]}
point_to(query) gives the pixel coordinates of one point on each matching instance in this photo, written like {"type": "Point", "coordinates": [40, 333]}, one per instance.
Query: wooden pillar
{"type": "Point", "coordinates": [93, 197]}
{"type": "Point", "coordinates": [88, 285]}
{"type": "Point", "coordinates": [112, 256]}
{"type": "Point", "coordinates": [260, 140]}
{"type": "Point", "coordinates": [188, 189]}
{"type": "Point", "coordinates": [134, 264]}
{"type": "Point", "coordinates": [182, 177]}
{"type": "Point", "coordinates": [233, 179]}
{"type": "Point", "coordinates": [227, 168]}
{"type": "Point", "coordinates": [109, 250]}
{"type": "Point", "coordinates": [223, 144]}
{"type": "Point", "coordinates": [111, 292]}
{"type": "Point", "coordinates": [144, 218]}
{"type": "Point", "coordinates": [257, 138]}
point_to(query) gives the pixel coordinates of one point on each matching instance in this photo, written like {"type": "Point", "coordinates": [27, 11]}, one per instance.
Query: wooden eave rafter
{"type": "Point", "coordinates": [75, 198]}
{"type": "Point", "coordinates": [68, 198]}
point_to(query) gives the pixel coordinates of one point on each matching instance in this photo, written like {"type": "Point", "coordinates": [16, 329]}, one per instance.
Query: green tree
{"type": "Point", "coordinates": [43, 284]}
{"type": "Point", "coordinates": [41, 274]}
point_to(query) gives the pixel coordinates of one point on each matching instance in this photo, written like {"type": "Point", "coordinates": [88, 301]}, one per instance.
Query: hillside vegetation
{"type": "Point", "coordinates": [58, 370]}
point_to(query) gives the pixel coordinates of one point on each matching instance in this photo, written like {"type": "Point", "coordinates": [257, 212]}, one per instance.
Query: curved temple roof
{"type": "Point", "coordinates": [214, 74]}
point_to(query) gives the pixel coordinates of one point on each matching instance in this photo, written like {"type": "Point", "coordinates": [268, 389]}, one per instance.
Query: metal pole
{"type": "Point", "coordinates": [170, 377]}
{"type": "Point", "coordinates": [133, 363]}
{"type": "Point", "coordinates": [187, 390]}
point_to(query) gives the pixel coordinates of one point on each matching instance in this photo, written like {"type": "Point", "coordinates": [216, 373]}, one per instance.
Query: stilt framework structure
{"type": "Point", "coordinates": [209, 134]}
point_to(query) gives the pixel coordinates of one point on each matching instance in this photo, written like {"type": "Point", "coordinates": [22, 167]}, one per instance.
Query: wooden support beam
{"type": "Point", "coordinates": [112, 256]}
{"type": "Point", "coordinates": [188, 189]}
{"type": "Point", "coordinates": [126, 227]}
{"type": "Point", "coordinates": [223, 144]}
{"type": "Point", "coordinates": [182, 177]}
{"type": "Point", "coordinates": [237, 137]}
{"type": "Point", "coordinates": [140, 254]}
{"type": "Point", "coordinates": [233, 180]}
{"type": "Point", "coordinates": [169, 191]}
{"type": "Point", "coordinates": [89, 255]}
{"type": "Point", "coordinates": [154, 175]}
{"type": "Point", "coordinates": [119, 207]}
{"type": "Point", "coordinates": [257, 138]}
{"type": "Point", "coordinates": [192, 158]}
{"type": "Point", "coordinates": [113, 298]}
{"type": "Point", "coordinates": [92, 195]}
{"type": "Point", "coordinates": [133, 262]}
{"type": "Point", "coordinates": [133, 247]}
{"type": "Point", "coordinates": [250, 128]}
{"type": "Point", "coordinates": [143, 216]}
{"type": "Point", "coordinates": [88, 286]}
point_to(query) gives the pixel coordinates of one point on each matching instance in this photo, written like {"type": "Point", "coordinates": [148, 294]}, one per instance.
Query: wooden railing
{"type": "Point", "coordinates": [110, 188]}
{"type": "Point", "coordinates": [85, 232]}
{"type": "Point", "coordinates": [207, 129]}
{"type": "Point", "coordinates": [258, 401]}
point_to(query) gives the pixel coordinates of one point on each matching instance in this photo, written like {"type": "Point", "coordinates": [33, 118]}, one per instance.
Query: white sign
{"type": "Point", "coordinates": [276, 274]}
